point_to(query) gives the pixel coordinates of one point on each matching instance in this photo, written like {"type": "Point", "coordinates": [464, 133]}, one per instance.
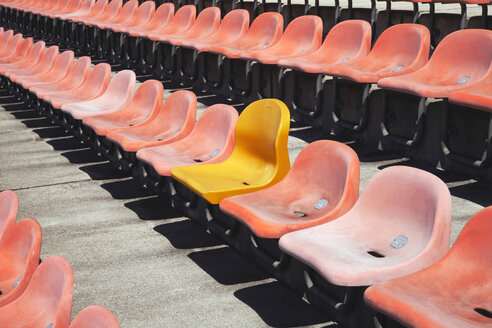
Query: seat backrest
{"type": "Point", "coordinates": [465, 55]}
{"type": "Point", "coordinates": [79, 71]}
{"type": "Point", "coordinates": [303, 35]}
{"type": "Point", "coordinates": [143, 13]}
{"type": "Point", "coordinates": [262, 130]}
{"type": "Point", "coordinates": [147, 99]}
{"type": "Point", "coordinates": [347, 41]}
{"type": "Point", "coordinates": [62, 63]}
{"type": "Point", "coordinates": [111, 11]}
{"type": "Point", "coordinates": [409, 202]}
{"type": "Point", "coordinates": [207, 21]}
{"type": "Point", "coordinates": [126, 12]}
{"type": "Point", "coordinates": [34, 53]}
{"type": "Point", "coordinates": [234, 25]}
{"type": "Point", "coordinates": [4, 39]}
{"type": "Point", "coordinates": [24, 247]}
{"type": "Point", "coordinates": [9, 203]}
{"type": "Point", "coordinates": [162, 16]}
{"type": "Point", "coordinates": [46, 59]}
{"type": "Point", "coordinates": [178, 112]}
{"type": "Point", "coordinates": [404, 45]}
{"type": "Point", "coordinates": [98, 8]}
{"type": "Point", "coordinates": [24, 47]}
{"type": "Point", "coordinates": [95, 317]}
{"type": "Point", "coordinates": [97, 80]}
{"type": "Point", "coordinates": [13, 43]}
{"type": "Point", "coordinates": [184, 18]}
{"type": "Point", "coordinates": [86, 6]}
{"type": "Point", "coordinates": [121, 88]}
{"type": "Point", "coordinates": [47, 299]}
{"type": "Point", "coordinates": [267, 29]}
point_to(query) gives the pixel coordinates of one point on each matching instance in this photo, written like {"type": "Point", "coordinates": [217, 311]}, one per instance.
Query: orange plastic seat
{"type": "Point", "coordinates": [20, 52]}
{"type": "Point", "coordinates": [56, 72]}
{"type": "Point", "coordinates": [266, 30]}
{"type": "Point", "coordinates": [95, 11]}
{"type": "Point", "coordinates": [42, 65]}
{"type": "Point", "coordinates": [322, 185]}
{"type": "Point", "coordinates": [206, 24]}
{"type": "Point", "coordinates": [211, 141]}
{"type": "Point", "coordinates": [96, 83]}
{"type": "Point", "coordinates": [95, 317]}
{"type": "Point", "coordinates": [182, 21]}
{"type": "Point", "coordinates": [302, 36]}
{"type": "Point", "coordinates": [12, 44]}
{"type": "Point", "coordinates": [400, 49]}
{"type": "Point", "coordinates": [9, 203]}
{"type": "Point", "coordinates": [117, 96]}
{"type": "Point", "coordinates": [399, 225]}
{"type": "Point", "coordinates": [172, 122]}
{"type": "Point", "coordinates": [140, 17]}
{"type": "Point", "coordinates": [47, 301]}
{"type": "Point", "coordinates": [464, 56]}
{"type": "Point", "coordinates": [454, 292]}
{"type": "Point", "coordinates": [75, 76]}
{"type": "Point", "coordinates": [147, 100]}
{"type": "Point", "coordinates": [107, 14]}
{"type": "Point", "coordinates": [259, 159]}
{"type": "Point", "coordinates": [161, 18]}
{"type": "Point", "coordinates": [346, 42]}
{"type": "Point", "coordinates": [19, 258]}
{"type": "Point", "coordinates": [124, 14]}
{"type": "Point", "coordinates": [85, 8]}
{"type": "Point", "coordinates": [30, 59]}
{"type": "Point", "coordinates": [232, 28]}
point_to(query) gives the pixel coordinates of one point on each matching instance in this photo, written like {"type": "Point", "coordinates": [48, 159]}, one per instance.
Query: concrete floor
{"type": "Point", "coordinates": [140, 258]}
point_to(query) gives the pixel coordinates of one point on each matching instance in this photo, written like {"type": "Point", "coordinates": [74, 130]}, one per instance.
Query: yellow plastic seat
{"type": "Point", "coordinates": [260, 157]}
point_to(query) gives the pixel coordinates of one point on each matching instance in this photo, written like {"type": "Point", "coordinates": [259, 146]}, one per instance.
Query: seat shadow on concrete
{"type": "Point", "coordinates": [447, 177]}
{"type": "Point", "coordinates": [187, 234]}
{"type": "Point", "coordinates": [153, 208]}
{"type": "Point", "coordinates": [10, 104]}
{"type": "Point", "coordinates": [126, 189]}
{"type": "Point", "coordinates": [227, 267]}
{"type": "Point", "coordinates": [68, 143]}
{"type": "Point", "coordinates": [277, 306]}
{"type": "Point", "coordinates": [25, 114]}
{"type": "Point", "coordinates": [477, 192]}
{"type": "Point", "coordinates": [83, 156]}
{"type": "Point", "coordinates": [52, 131]}
{"type": "Point", "coordinates": [40, 122]}
{"type": "Point", "coordinates": [103, 171]}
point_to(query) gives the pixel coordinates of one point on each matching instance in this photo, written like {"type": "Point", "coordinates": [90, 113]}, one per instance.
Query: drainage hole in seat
{"type": "Point", "coordinates": [483, 312]}
{"type": "Point", "coordinates": [300, 214]}
{"type": "Point", "coordinates": [375, 254]}
{"type": "Point", "coordinates": [245, 183]}
{"type": "Point", "coordinates": [197, 160]}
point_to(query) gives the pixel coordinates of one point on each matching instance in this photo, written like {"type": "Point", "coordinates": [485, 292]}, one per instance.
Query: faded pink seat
{"type": "Point", "coordinates": [19, 258]}
{"type": "Point", "coordinates": [42, 65]}
{"type": "Point", "coordinates": [174, 121]}
{"type": "Point", "coordinates": [109, 12]}
{"type": "Point", "coordinates": [18, 52]}
{"type": "Point", "coordinates": [182, 21]}
{"type": "Point", "coordinates": [95, 11]}
{"type": "Point", "coordinates": [399, 225]}
{"type": "Point", "coordinates": [95, 317]}
{"type": "Point", "coordinates": [124, 15]}
{"type": "Point", "coordinates": [322, 185]}
{"type": "Point", "coordinates": [9, 203]}
{"type": "Point", "coordinates": [302, 36]}
{"type": "Point", "coordinates": [454, 292]}
{"type": "Point", "coordinates": [28, 60]}
{"type": "Point", "coordinates": [140, 17]}
{"type": "Point", "coordinates": [399, 50]}
{"type": "Point", "coordinates": [461, 60]}
{"type": "Point", "coordinates": [85, 7]}
{"type": "Point", "coordinates": [266, 30]}
{"type": "Point", "coordinates": [346, 42]}
{"type": "Point", "coordinates": [117, 96]}
{"type": "Point", "coordinates": [47, 301]}
{"type": "Point", "coordinates": [479, 97]}
{"type": "Point", "coordinates": [93, 86]}
{"type": "Point", "coordinates": [56, 72]}
{"type": "Point", "coordinates": [211, 141]}
{"type": "Point", "coordinates": [161, 18]}
{"type": "Point", "coordinates": [147, 100]}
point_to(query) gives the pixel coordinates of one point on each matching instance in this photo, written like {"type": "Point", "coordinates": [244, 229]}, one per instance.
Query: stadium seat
{"type": "Point", "coordinates": [42, 65]}
{"type": "Point", "coordinates": [19, 53]}
{"type": "Point", "coordinates": [19, 258]}
{"type": "Point", "coordinates": [95, 317]}
{"type": "Point", "coordinates": [93, 86]}
{"type": "Point", "coordinates": [11, 47]}
{"type": "Point", "coordinates": [47, 301]}
{"type": "Point", "coordinates": [322, 185]}
{"type": "Point", "coordinates": [457, 290]}
{"type": "Point", "coordinates": [259, 159]}
{"type": "Point", "coordinates": [412, 212]}
{"type": "Point", "coordinates": [9, 203]}
{"type": "Point", "coordinates": [465, 64]}
{"type": "Point", "coordinates": [265, 30]}
{"type": "Point", "coordinates": [211, 141]}
{"type": "Point", "coordinates": [348, 41]}
{"type": "Point", "coordinates": [85, 8]}
{"type": "Point", "coordinates": [302, 36]}
{"type": "Point", "coordinates": [182, 21]}
{"type": "Point", "coordinates": [30, 59]}
{"type": "Point", "coordinates": [147, 100]}
{"type": "Point", "coordinates": [109, 12]}
{"type": "Point", "coordinates": [117, 96]}
{"type": "Point", "coordinates": [172, 122]}
{"type": "Point", "coordinates": [478, 97]}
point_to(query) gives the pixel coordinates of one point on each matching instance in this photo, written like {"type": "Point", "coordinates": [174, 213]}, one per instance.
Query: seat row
{"type": "Point", "coordinates": [320, 82]}
{"type": "Point", "coordinates": [33, 296]}
{"type": "Point", "coordinates": [233, 175]}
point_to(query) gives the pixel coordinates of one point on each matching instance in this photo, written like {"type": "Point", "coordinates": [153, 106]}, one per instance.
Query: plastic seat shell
{"type": "Point", "coordinates": [259, 159]}
{"type": "Point", "coordinates": [324, 170]}
{"type": "Point", "coordinates": [9, 203]}
{"type": "Point", "coordinates": [95, 316]}
{"type": "Point", "coordinates": [479, 97]}
{"type": "Point", "coordinates": [360, 248]}
{"type": "Point", "coordinates": [448, 293]}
